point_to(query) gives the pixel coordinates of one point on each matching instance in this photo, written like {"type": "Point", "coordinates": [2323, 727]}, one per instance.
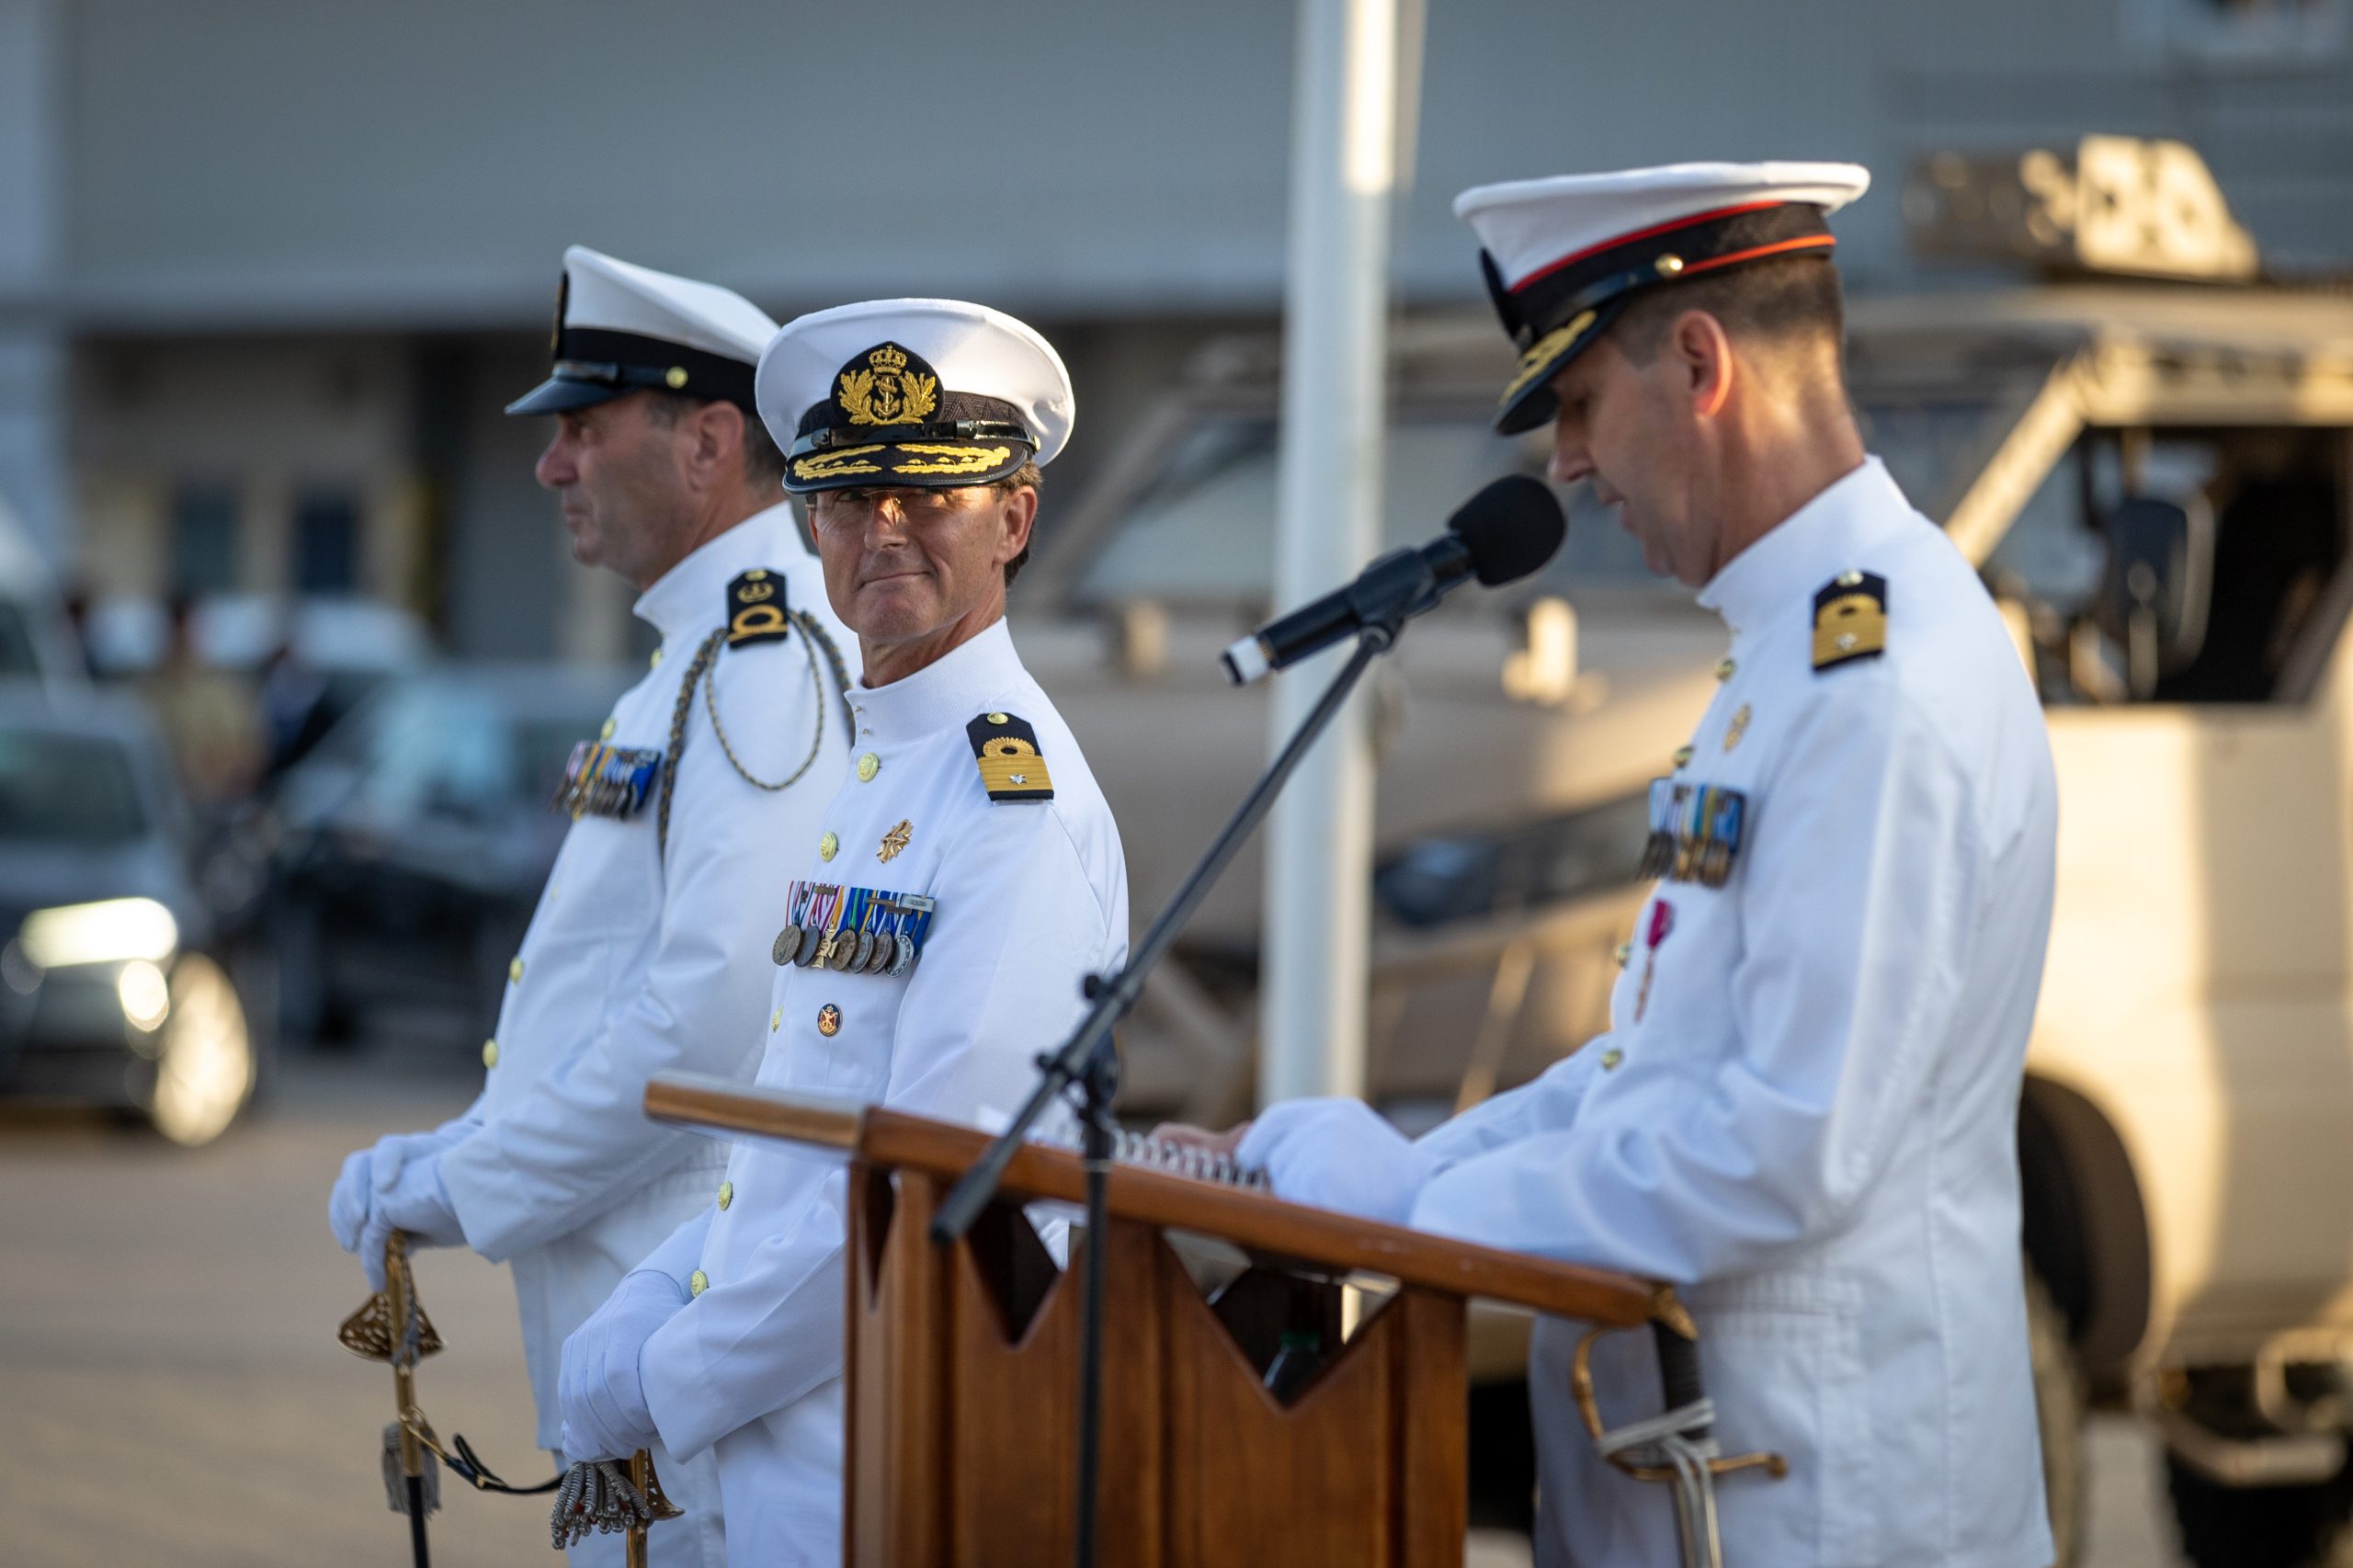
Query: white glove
{"type": "Point", "coordinates": [1337, 1154]}
{"type": "Point", "coordinates": [409, 1196]}
{"type": "Point", "coordinates": [354, 1197]}
{"type": "Point", "coordinates": [598, 1391]}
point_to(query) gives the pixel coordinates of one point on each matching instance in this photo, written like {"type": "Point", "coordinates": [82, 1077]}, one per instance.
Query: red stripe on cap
{"type": "Point", "coordinates": [1803, 241]}
{"type": "Point", "coordinates": [1573, 258]}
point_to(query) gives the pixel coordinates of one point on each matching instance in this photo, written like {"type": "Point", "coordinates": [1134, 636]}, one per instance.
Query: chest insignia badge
{"type": "Point", "coordinates": [894, 841]}
{"type": "Point", "coordinates": [1850, 619]}
{"type": "Point", "coordinates": [829, 1020]}
{"type": "Point", "coordinates": [1005, 746]}
{"type": "Point", "coordinates": [1738, 728]}
{"type": "Point", "coordinates": [1662, 926]}
{"type": "Point", "coordinates": [605, 781]}
{"type": "Point", "coordinates": [1695, 832]}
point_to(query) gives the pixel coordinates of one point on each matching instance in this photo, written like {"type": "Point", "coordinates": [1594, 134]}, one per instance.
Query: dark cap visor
{"type": "Point", "coordinates": [560, 392]}
{"type": "Point", "coordinates": [1527, 400]}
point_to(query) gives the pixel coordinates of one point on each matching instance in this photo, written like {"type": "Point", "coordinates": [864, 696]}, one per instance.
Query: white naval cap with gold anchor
{"type": "Point", "coordinates": [1563, 256]}
{"type": "Point", "coordinates": [621, 328]}
{"type": "Point", "coordinates": [915, 392]}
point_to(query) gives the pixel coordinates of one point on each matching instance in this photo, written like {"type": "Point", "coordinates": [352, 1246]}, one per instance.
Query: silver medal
{"type": "Point", "coordinates": [787, 942]}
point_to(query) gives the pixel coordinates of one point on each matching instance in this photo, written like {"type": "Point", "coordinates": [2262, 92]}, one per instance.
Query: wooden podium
{"type": "Point", "coordinates": [962, 1361]}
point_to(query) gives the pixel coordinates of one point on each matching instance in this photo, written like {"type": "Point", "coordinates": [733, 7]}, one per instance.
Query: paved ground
{"type": "Point", "coordinates": [171, 1390]}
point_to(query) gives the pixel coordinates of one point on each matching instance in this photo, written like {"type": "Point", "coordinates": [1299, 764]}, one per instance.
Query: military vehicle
{"type": "Point", "coordinates": [2147, 449]}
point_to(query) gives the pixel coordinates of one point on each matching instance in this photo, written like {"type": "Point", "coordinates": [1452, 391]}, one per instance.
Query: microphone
{"type": "Point", "coordinates": [1499, 536]}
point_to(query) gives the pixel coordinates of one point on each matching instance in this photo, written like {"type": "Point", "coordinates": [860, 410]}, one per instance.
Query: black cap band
{"type": "Point", "coordinates": [631, 361]}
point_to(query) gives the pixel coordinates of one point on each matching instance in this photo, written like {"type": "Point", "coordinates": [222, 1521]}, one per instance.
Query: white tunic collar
{"type": "Point", "coordinates": [689, 599]}
{"type": "Point", "coordinates": [952, 690]}
{"type": "Point", "coordinates": [1805, 549]}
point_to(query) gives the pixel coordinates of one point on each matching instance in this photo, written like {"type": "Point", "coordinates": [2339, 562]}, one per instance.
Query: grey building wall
{"type": "Point", "coordinates": [422, 164]}
{"type": "Point", "coordinates": [206, 179]}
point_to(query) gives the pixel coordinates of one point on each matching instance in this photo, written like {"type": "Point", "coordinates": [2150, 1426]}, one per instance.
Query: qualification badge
{"type": "Point", "coordinates": [1006, 748]}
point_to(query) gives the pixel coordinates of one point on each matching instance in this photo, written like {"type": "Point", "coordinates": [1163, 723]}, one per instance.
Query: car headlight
{"type": "Point", "coordinates": [112, 930]}
{"type": "Point", "coordinates": [145, 994]}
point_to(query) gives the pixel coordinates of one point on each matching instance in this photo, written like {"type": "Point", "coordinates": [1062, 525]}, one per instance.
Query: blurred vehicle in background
{"type": "Point", "coordinates": [301, 666]}
{"type": "Point", "coordinates": [2149, 455]}
{"type": "Point", "coordinates": [115, 988]}
{"type": "Point", "coordinates": [37, 640]}
{"type": "Point", "coordinates": [413, 842]}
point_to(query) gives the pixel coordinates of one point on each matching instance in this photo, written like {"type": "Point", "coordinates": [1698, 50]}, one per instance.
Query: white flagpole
{"type": "Point", "coordinates": [1335, 318]}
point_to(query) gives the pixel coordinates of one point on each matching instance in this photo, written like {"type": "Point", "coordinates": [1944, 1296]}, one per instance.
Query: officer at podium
{"type": "Point", "coordinates": [964, 881]}
{"type": "Point", "coordinates": [647, 953]}
{"type": "Point", "coordinates": [1804, 1112]}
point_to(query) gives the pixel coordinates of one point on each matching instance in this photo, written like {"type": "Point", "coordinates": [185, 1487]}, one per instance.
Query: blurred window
{"type": "Point", "coordinates": [2277, 498]}
{"type": "Point", "coordinates": [204, 540]}
{"type": "Point", "coordinates": [437, 748]}
{"type": "Point", "coordinates": [327, 543]}
{"type": "Point", "coordinates": [18, 655]}
{"type": "Point", "coordinates": [64, 788]}
{"type": "Point", "coordinates": [1446, 878]}
{"type": "Point", "coordinates": [1930, 445]}
{"type": "Point", "coordinates": [1204, 528]}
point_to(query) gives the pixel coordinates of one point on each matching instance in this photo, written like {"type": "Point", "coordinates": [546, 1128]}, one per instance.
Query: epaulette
{"type": "Point", "coordinates": [1850, 619]}
{"type": "Point", "coordinates": [755, 608]}
{"type": "Point", "coordinates": [1006, 748]}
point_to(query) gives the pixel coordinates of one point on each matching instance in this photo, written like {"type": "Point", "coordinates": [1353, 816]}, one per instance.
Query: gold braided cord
{"type": "Point", "coordinates": [704, 669]}
{"type": "Point", "coordinates": [701, 662]}
{"type": "Point", "coordinates": [816, 741]}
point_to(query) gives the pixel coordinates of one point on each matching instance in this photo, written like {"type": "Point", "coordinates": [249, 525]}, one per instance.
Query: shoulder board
{"type": "Point", "coordinates": [1850, 619]}
{"type": "Point", "coordinates": [1006, 748]}
{"type": "Point", "coordinates": [756, 607]}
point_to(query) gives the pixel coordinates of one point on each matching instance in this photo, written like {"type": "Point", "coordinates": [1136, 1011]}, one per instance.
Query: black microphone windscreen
{"type": "Point", "coordinates": [1510, 528]}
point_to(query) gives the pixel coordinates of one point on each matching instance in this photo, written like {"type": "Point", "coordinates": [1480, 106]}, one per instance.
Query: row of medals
{"type": "Point", "coordinates": [848, 952]}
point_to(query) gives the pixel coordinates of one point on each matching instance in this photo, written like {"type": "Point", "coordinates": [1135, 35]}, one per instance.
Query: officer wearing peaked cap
{"type": "Point", "coordinates": [966, 877]}
{"type": "Point", "coordinates": [648, 951]}
{"type": "Point", "coordinates": [1804, 1110]}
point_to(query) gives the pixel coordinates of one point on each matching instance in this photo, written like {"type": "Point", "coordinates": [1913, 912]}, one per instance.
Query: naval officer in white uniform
{"type": "Point", "coordinates": [965, 880]}
{"type": "Point", "coordinates": [1804, 1112]}
{"type": "Point", "coordinates": [648, 951]}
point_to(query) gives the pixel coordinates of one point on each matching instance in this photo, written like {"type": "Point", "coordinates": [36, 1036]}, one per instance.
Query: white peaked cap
{"type": "Point", "coordinates": [612, 295]}
{"type": "Point", "coordinates": [1564, 255]}
{"type": "Point", "coordinates": [622, 328]}
{"type": "Point", "coordinates": [1530, 224]}
{"type": "Point", "coordinates": [912, 391]}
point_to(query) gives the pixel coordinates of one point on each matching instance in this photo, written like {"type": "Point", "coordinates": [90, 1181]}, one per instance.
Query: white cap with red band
{"type": "Point", "coordinates": [1563, 255]}
{"type": "Point", "coordinates": [1531, 225]}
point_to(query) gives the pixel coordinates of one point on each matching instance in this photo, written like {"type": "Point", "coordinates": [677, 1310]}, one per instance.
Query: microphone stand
{"type": "Point", "coordinates": [1087, 1060]}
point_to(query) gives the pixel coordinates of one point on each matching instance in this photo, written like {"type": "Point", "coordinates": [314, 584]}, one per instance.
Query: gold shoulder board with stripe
{"type": "Point", "coordinates": [1006, 748]}
{"type": "Point", "coordinates": [1850, 619]}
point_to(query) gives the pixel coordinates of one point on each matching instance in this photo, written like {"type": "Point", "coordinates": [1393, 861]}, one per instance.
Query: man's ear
{"type": "Point", "coordinates": [1702, 347]}
{"type": "Point", "coordinates": [1020, 516]}
{"type": "Point", "coordinates": [716, 436]}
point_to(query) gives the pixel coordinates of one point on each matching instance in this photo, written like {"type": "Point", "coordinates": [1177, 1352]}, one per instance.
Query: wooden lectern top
{"type": "Point", "coordinates": [877, 1135]}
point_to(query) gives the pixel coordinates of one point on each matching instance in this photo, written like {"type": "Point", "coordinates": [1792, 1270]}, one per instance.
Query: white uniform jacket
{"type": "Point", "coordinates": [1031, 897]}
{"type": "Point", "coordinates": [1805, 1110]}
{"type": "Point", "coordinates": [638, 962]}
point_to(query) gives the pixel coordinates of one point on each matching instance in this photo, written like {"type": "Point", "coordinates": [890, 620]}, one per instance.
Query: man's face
{"type": "Point", "coordinates": [1632, 430]}
{"type": "Point", "coordinates": [904, 564]}
{"type": "Point", "coordinates": [615, 471]}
